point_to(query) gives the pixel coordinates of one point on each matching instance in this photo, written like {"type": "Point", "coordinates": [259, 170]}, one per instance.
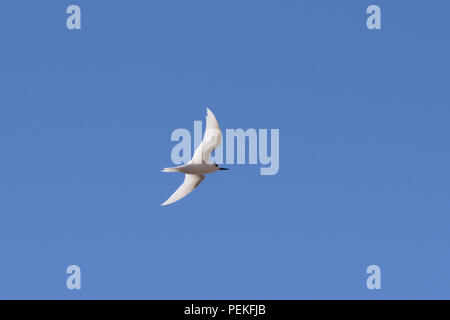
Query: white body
{"type": "Point", "coordinates": [192, 168]}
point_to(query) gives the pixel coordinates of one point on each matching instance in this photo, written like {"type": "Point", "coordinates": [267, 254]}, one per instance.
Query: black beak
{"type": "Point", "coordinates": [224, 169]}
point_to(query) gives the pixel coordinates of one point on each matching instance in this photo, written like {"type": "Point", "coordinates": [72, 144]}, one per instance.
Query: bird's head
{"type": "Point", "coordinates": [219, 168]}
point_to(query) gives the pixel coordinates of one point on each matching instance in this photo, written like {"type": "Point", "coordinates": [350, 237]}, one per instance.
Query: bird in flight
{"type": "Point", "coordinates": [195, 170]}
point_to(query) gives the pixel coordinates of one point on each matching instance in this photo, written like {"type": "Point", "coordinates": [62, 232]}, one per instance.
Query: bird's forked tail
{"type": "Point", "coordinates": [175, 169]}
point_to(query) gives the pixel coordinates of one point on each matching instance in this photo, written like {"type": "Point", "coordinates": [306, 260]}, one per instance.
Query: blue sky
{"type": "Point", "coordinates": [85, 124]}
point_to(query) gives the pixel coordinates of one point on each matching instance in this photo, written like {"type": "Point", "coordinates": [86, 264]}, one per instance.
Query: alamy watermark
{"type": "Point", "coordinates": [374, 280]}
{"type": "Point", "coordinates": [73, 22]}
{"type": "Point", "coordinates": [73, 281]}
{"type": "Point", "coordinates": [236, 143]}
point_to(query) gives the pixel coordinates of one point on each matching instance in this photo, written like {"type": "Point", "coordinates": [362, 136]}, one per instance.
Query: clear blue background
{"type": "Point", "coordinates": [85, 124]}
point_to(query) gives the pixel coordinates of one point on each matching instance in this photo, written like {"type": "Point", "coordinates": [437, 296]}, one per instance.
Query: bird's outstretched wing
{"type": "Point", "coordinates": [211, 140]}
{"type": "Point", "coordinates": [191, 181]}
